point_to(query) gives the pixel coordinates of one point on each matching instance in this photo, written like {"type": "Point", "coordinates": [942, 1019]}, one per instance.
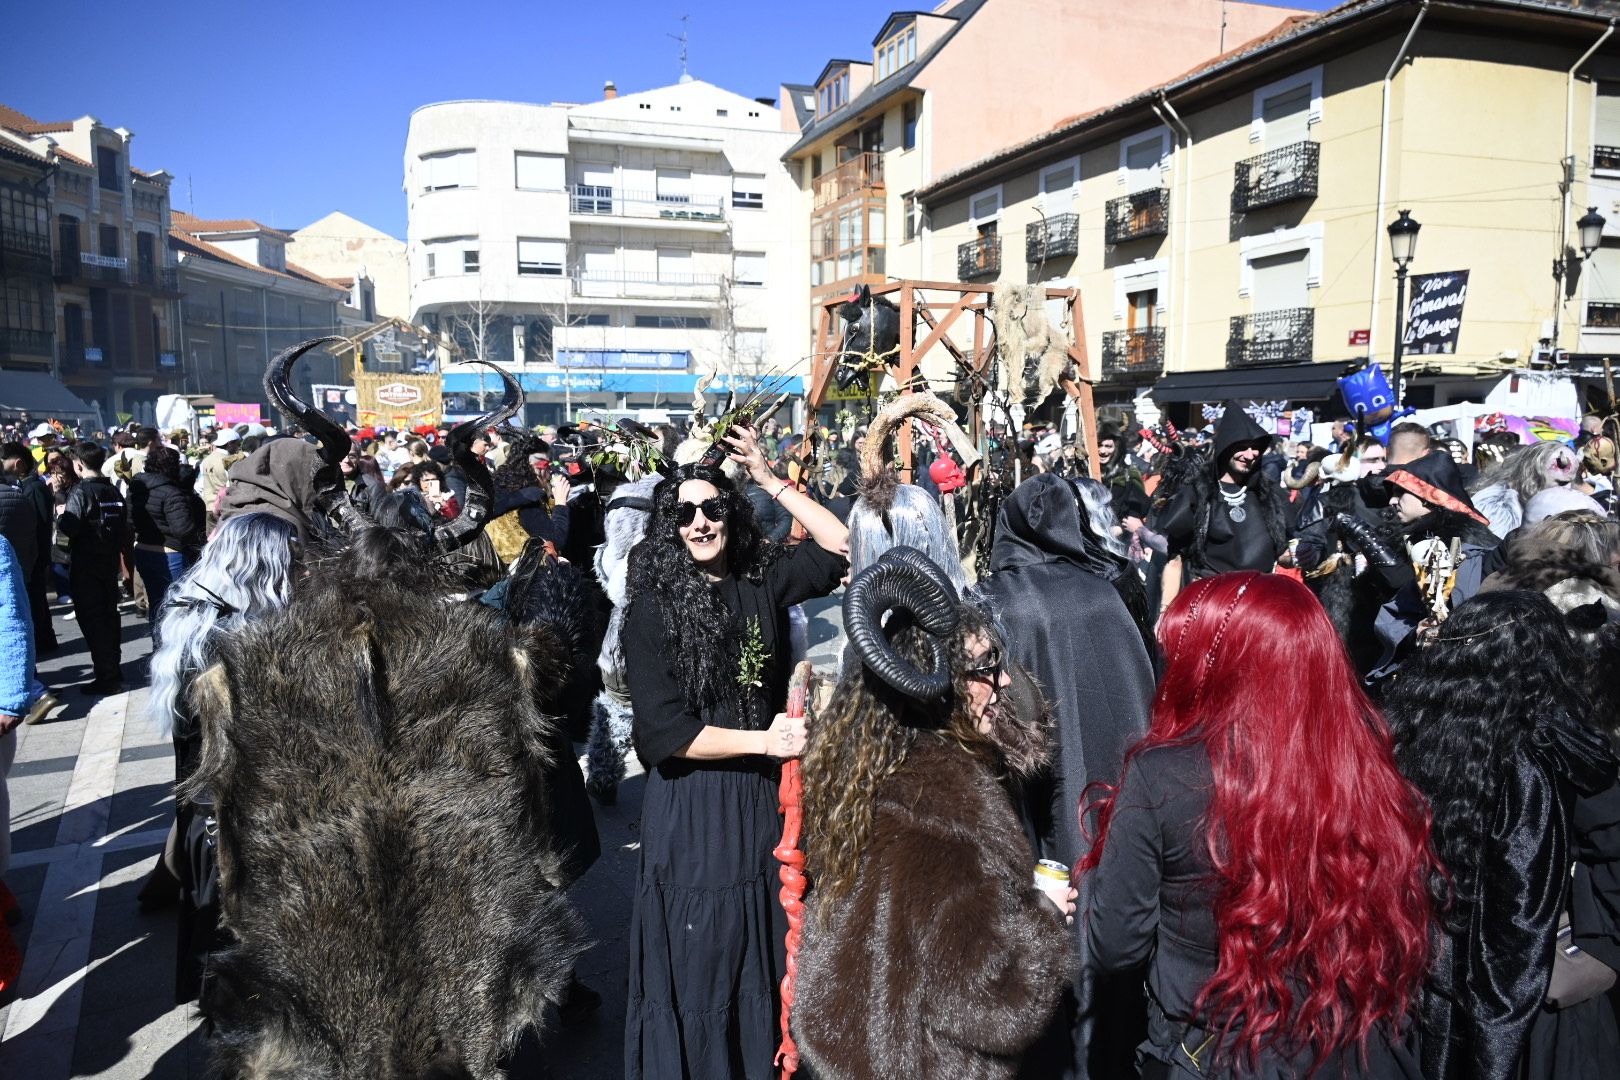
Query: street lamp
{"type": "Point", "coordinates": [1590, 226]}
{"type": "Point", "coordinates": [1403, 234]}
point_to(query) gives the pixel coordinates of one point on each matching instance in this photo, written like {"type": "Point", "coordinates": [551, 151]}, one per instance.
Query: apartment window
{"type": "Point", "coordinates": [833, 94]}
{"type": "Point", "coordinates": [72, 331]}
{"type": "Point", "coordinates": [896, 51]}
{"type": "Point", "coordinates": [593, 191]}
{"type": "Point", "coordinates": [108, 235]}
{"type": "Point", "coordinates": [1280, 281]}
{"type": "Point", "coordinates": [598, 264]}
{"type": "Point", "coordinates": [1060, 183]}
{"type": "Point", "coordinates": [452, 255]}
{"type": "Point", "coordinates": [432, 265]}
{"type": "Point", "coordinates": [675, 266]}
{"type": "Point", "coordinates": [21, 307]}
{"type": "Point", "coordinates": [108, 171]}
{"type": "Point", "coordinates": [594, 318]}
{"type": "Point", "coordinates": [542, 258]}
{"type": "Point", "coordinates": [908, 211]}
{"type": "Point", "coordinates": [145, 256]}
{"type": "Point", "coordinates": [984, 210]}
{"type": "Point", "coordinates": [469, 260]}
{"type": "Point", "coordinates": [908, 125]}
{"type": "Point", "coordinates": [722, 112]}
{"type": "Point", "coordinates": [23, 213]}
{"type": "Point", "coordinates": [1606, 128]}
{"type": "Point", "coordinates": [1141, 160]}
{"type": "Point", "coordinates": [538, 339]}
{"type": "Point", "coordinates": [1284, 111]}
{"type": "Point", "coordinates": [1601, 276]}
{"type": "Point", "coordinates": [451, 169]}
{"type": "Point", "coordinates": [750, 268]}
{"type": "Point", "coordinates": [674, 186]}
{"type": "Point", "coordinates": [672, 322]}
{"type": "Point", "coordinates": [539, 172]}
{"type": "Point", "coordinates": [67, 238]}
{"type": "Point", "coordinates": [748, 191]}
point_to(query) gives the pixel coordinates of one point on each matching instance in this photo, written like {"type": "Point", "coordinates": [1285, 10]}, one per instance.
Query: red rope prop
{"type": "Point", "coordinates": [792, 872]}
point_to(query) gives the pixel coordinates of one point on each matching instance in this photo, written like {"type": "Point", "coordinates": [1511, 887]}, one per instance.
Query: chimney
{"type": "Point", "coordinates": [609, 91]}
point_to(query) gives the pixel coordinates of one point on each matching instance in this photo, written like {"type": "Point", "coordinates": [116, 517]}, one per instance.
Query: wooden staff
{"type": "Point", "coordinates": [792, 872]}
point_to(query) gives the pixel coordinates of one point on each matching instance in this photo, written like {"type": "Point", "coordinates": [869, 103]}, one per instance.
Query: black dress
{"type": "Point", "coordinates": [1153, 901]}
{"type": "Point", "coordinates": [706, 929]}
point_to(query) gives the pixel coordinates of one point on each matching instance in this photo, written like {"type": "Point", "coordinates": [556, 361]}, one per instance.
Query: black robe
{"type": "Point", "coordinates": [1067, 626]}
{"type": "Point", "coordinates": [706, 926]}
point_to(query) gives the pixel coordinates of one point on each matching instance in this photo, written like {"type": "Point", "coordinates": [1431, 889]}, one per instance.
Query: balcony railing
{"type": "Point", "coordinates": [611, 202]}
{"type": "Point", "coordinates": [1132, 217]}
{"type": "Point", "coordinates": [1271, 337]}
{"type": "Point", "coordinates": [1133, 352]}
{"type": "Point", "coordinates": [25, 342]}
{"type": "Point", "coordinates": [1276, 176]}
{"type": "Point", "coordinates": [162, 278]}
{"type": "Point", "coordinates": [1606, 158]}
{"type": "Point", "coordinates": [862, 172]}
{"type": "Point", "coordinates": [1603, 316]}
{"type": "Point", "coordinates": [979, 258]}
{"type": "Point", "coordinates": [1052, 238]}
{"type": "Point", "coordinates": [28, 245]}
{"type": "Point", "coordinates": [115, 270]}
{"type": "Point", "coordinates": [643, 283]}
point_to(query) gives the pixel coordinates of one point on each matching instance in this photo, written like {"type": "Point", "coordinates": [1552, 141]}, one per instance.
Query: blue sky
{"type": "Point", "coordinates": [285, 111]}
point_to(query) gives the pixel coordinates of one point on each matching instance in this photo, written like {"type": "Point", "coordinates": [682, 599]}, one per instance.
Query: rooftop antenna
{"type": "Point", "coordinates": [681, 37]}
{"type": "Point", "coordinates": [191, 198]}
{"type": "Point", "coordinates": [1223, 26]}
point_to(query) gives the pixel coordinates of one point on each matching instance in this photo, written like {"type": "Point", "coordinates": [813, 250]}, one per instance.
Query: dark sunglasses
{"type": "Point", "coordinates": [715, 509]}
{"type": "Point", "coordinates": [989, 667]}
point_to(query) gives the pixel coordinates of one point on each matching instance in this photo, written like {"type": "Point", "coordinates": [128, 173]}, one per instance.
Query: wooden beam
{"type": "Point", "coordinates": [907, 368]}
{"type": "Point", "coordinates": [1083, 394]}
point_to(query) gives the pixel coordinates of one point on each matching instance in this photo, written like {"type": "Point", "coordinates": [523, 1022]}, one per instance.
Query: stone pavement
{"type": "Point", "coordinates": [91, 803]}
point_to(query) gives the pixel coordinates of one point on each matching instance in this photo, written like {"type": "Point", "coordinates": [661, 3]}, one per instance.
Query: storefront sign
{"type": "Point", "coordinates": [398, 394]}
{"type": "Point", "coordinates": [92, 354]}
{"type": "Point", "coordinates": [232, 413]}
{"type": "Point", "coordinates": [1434, 313]}
{"type": "Point", "coordinates": [1360, 337]}
{"type": "Point", "coordinates": [398, 401]}
{"type": "Point", "coordinates": [166, 359]}
{"type": "Point", "coordinates": [624, 358]}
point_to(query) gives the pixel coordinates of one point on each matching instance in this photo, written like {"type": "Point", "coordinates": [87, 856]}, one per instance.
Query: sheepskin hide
{"type": "Point", "coordinates": [1034, 353]}
{"type": "Point", "coordinates": [386, 867]}
{"type": "Point", "coordinates": [609, 739]}
{"type": "Point", "coordinates": [944, 959]}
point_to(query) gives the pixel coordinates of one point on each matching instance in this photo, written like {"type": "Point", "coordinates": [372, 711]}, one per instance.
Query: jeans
{"type": "Point", "coordinates": [158, 570]}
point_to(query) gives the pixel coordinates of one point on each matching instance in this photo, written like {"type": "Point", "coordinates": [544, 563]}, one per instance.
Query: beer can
{"type": "Point", "coordinates": [1050, 871]}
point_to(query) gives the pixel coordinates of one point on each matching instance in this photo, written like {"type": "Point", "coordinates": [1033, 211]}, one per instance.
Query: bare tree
{"type": "Point", "coordinates": [742, 352]}
{"type": "Point", "coordinates": [474, 330]}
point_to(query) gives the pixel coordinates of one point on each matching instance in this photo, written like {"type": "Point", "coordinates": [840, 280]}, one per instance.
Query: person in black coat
{"type": "Point", "coordinates": [17, 463]}
{"type": "Point", "coordinates": [1053, 588]}
{"type": "Point", "coordinates": [168, 521]}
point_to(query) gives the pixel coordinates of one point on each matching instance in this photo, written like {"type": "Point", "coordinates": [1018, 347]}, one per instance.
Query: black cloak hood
{"type": "Point", "coordinates": [1436, 480]}
{"type": "Point", "coordinates": [1041, 522]}
{"type": "Point", "coordinates": [1234, 429]}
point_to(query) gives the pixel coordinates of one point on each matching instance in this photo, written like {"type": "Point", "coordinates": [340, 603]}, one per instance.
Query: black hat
{"type": "Point", "coordinates": [1436, 480]}
{"type": "Point", "coordinates": [1236, 428]}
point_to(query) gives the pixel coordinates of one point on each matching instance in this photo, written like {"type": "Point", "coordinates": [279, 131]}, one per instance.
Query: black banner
{"type": "Point", "coordinates": [1434, 312]}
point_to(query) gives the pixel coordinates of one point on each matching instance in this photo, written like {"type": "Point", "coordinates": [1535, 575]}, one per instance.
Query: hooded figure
{"type": "Point", "coordinates": [1053, 588]}
{"type": "Point", "coordinates": [1229, 516]}
{"type": "Point", "coordinates": [278, 478]}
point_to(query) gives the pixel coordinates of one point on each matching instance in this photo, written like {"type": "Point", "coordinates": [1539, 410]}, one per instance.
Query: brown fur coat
{"type": "Point", "coordinates": [944, 960]}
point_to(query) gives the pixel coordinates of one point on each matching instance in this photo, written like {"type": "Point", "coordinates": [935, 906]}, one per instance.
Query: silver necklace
{"type": "Point", "coordinates": [1234, 502]}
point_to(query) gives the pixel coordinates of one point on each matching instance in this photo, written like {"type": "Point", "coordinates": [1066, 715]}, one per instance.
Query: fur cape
{"type": "Point", "coordinates": [944, 960]}
{"type": "Point", "coordinates": [379, 759]}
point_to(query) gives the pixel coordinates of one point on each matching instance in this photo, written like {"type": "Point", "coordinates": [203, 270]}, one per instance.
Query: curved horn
{"type": "Point", "coordinates": [331, 498]}
{"type": "Point", "coordinates": [278, 387]}
{"type": "Point", "coordinates": [902, 581]}
{"type": "Point", "coordinates": [470, 521]}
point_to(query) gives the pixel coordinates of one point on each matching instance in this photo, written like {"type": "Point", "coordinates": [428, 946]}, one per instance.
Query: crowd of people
{"type": "Point", "coordinates": [1247, 757]}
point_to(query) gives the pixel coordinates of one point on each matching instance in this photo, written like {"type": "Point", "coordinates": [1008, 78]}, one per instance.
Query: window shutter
{"type": "Point", "coordinates": [539, 172]}
{"type": "Point", "coordinates": [675, 265]}
{"type": "Point", "coordinates": [750, 268]}
{"type": "Point", "coordinates": [1602, 274]}
{"type": "Point", "coordinates": [1057, 184]}
{"type": "Point", "coordinates": [1142, 164]}
{"type": "Point", "coordinates": [1606, 131]}
{"type": "Point", "coordinates": [1280, 281]}
{"type": "Point", "coordinates": [1287, 116]}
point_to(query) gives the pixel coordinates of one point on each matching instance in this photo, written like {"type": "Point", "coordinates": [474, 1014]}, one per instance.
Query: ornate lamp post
{"type": "Point", "coordinates": [1590, 225]}
{"type": "Point", "coordinates": [1403, 234]}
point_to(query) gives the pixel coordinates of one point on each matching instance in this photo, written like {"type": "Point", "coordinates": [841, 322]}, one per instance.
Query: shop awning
{"type": "Point", "coordinates": [1288, 382]}
{"type": "Point", "coordinates": [42, 397]}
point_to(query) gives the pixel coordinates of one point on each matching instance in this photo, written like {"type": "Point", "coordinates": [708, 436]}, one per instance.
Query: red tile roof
{"type": "Point", "coordinates": [13, 120]}
{"type": "Point", "coordinates": [206, 226]}
{"type": "Point", "coordinates": [181, 240]}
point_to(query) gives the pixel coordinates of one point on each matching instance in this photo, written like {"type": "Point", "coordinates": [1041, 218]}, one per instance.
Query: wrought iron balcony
{"type": "Point", "coordinates": [92, 269]}
{"type": "Point", "coordinates": [25, 253]}
{"type": "Point", "coordinates": [979, 258]}
{"type": "Point", "coordinates": [861, 173]}
{"type": "Point", "coordinates": [1052, 237]}
{"type": "Point", "coordinates": [1276, 176]}
{"type": "Point", "coordinates": [1133, 352]}
{"type": "Point", "coordinates": [1271, 337]}
{"type": "Point", "coordinates": [1606, 158]}
{"type": "Point", "coordinates": [161, 278]}
{"type": "Point", "coordinates": [19, 343]}
{"type": "Point", "coordinates": [1133, 217]}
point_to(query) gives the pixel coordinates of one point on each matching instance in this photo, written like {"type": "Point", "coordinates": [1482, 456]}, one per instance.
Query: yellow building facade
{"type": "Point", "coordinates": [1227, 230]}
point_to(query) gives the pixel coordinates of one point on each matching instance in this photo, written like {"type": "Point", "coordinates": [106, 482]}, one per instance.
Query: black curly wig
{"type": "Point", "coordinates": [700, 630]}
{"type": "Point", "coordinates": [1460, 712]}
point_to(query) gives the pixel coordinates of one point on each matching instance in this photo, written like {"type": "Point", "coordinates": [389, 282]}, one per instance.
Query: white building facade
{"type": "Point", "coordinates": [611, 253]}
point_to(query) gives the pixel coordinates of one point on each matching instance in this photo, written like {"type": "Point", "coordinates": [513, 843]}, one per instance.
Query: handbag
{"type": "Point", "coordinates": [1577, 975]}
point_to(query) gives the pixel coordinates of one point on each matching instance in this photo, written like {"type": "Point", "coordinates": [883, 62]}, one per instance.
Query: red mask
{"type": "Point", "coordinates": [946, 474]}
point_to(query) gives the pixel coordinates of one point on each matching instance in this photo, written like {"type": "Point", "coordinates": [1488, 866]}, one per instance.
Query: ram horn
{"type": "Point", "coordinates": [905, 583]}
{"type": "Point", "coordinates": [331, 497]}
{"type": "Point", "coordinates": [459, 531]}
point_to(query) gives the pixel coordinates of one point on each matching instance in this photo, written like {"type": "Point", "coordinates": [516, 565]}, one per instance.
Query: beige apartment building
{"type": "Point", "coordinates": [937, 89]}
{"type": "Point", "coordinates": [1227, 228]}
{"type": "Point", "coordinates": [342, 248]}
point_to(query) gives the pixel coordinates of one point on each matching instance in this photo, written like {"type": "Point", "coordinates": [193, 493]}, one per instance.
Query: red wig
{"type": "Point", "coordinates": [1320, 847]}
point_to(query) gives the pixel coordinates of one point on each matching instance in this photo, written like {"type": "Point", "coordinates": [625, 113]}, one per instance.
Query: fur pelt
{"type": "Point", "coordinates": [1034, 353]}
{"type": "Point", "coordinates": [609, 739]}
{"type": "Point", "coordinates": [944, 960]}
{"type": "Point", "coordinates": [387, 875]}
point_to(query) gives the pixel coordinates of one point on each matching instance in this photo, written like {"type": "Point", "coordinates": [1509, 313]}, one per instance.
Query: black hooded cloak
{"type": "Point", "coordinates": [1205, 532]}
{"type": "Point", "coordinates": [1067, 626]}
